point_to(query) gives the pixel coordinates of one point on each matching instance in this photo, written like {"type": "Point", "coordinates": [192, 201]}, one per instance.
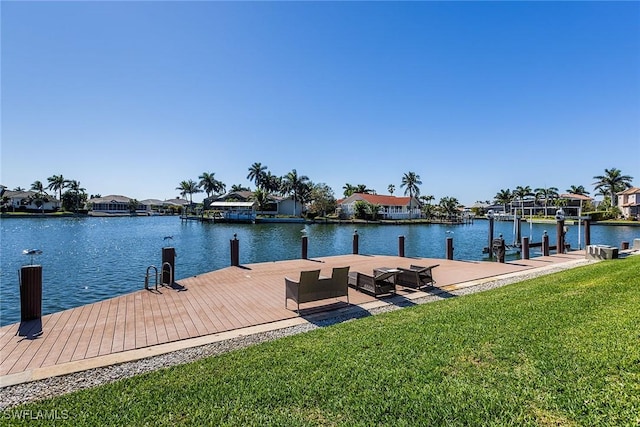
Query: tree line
{"type": "Point", "coordinates": [320, 198]}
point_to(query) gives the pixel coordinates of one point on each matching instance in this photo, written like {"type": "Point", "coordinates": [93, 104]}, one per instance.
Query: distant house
{"type": "Point", "coordinates": [277, 205]}
{"type": "Point", "coordinates": [114, 205]}
{"type": "Point", "coordinates": [29, 201]}
{"type": "Point", "coordinates": [629, 202]}
{"type": "Point", "coordinates": [574, 203]}
{"type": "Point", "coordinates": [391, 207]}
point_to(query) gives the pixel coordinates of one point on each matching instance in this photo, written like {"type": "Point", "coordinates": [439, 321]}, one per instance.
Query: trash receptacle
{"type": "Point", "coordinates": [30, 292]}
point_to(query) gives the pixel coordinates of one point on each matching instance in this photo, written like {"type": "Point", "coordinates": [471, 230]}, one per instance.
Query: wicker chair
{"type": "Point", "coordinates": [416, 276]}
{"type": "Point", "coordinates": [310, 287]}
{"type": "Point", "coordinates": [375, 285]}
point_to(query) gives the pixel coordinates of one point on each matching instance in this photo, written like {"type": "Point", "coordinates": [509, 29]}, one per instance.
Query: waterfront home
{"type": "Point", "coordinates": [115, 205]}
{"type": "Point", "coordinates": [574, 203]}
{"type": "Point", "coordinates": [390, 207]}
{"type": "Point", "coordinates": [629, 202]}
{"type": "Point", "coordinates": [277, 205]}
{"type": "Point", "coordinates": [29, 201]}
{"type": "Point", "coordinates": [234, 211]}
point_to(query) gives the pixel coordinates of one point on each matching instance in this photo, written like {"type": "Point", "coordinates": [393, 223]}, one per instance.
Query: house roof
{"type": "Point", "coordinates": [112, 198]}
{"type": "Point", "coordinates": [232, 204]}
{"type": "Point", "coordinates": [572, 196]}
{"type": "Point", "coordinates": [377, 199]}
{"type": "Point", "coordinates": [152, 202]}
{"type": "Point", "coordinates": [177, 202]}
{"type": "Point", "coordinates": [629, 191]}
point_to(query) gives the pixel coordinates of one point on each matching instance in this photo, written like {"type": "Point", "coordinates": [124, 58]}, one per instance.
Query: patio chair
{"type": "Point", "coordinates": [299, 291]}
{"type": "Point", "coordinates": [375, 285]}
{"type": "Point", "coordinates": [311, 287]}
{"type": "Point", "coordinates": [416, 276]}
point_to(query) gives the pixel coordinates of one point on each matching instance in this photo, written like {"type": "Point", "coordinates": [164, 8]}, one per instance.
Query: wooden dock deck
{"type": "Point", "coordinates": [212, 303]}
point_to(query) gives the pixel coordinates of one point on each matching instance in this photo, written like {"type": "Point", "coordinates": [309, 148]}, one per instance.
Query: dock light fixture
{"type": "Point", "coordinates": [559, 215]}
{"type": "Point", "coordinates": [32, 253]}
{"type": "Point", "coordinates": [491, 214]}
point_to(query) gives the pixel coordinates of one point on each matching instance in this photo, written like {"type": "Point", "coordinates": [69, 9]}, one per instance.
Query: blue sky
{"type": "Point", "coordinates": [133, 97]}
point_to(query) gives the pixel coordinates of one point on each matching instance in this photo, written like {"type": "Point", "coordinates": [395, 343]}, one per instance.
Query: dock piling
{"type": "Point", "coordinates": [401, 246]}
{"type": "Point", "coordinates": [235, 251]}
{"type": "Point", "coordinates": [355, 242]}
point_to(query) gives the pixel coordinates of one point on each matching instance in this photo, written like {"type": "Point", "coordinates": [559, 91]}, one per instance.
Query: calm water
{"type": "Point", "coordinates": [90, 259]}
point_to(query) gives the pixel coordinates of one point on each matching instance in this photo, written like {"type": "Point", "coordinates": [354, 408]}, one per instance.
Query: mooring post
{"type": "Point", "coordinates": [30, 292]}
{"type": "Point", "coordinates": [235, 251]}
{"type": "Point", "coordinates": [168, 265]}
{"type": "Point", "coordinates": [587, 232]}
{"type": "Point", "coordinates": [355, 242]}
{"type": "Point", "coordinates": [559, 231]}
{"type": "Point", "coordinates": [449, 253]}
{"type": "Point", "coordinates": [499, 247]}
{"type": "Point", "coordinates": [525, 248]}
{"type": "Point", "coordinates": [305, 247]}
{"type": "Point", "coordinates": [545, 244]}
{"type": "Point", "coordinates": [519, 228]}
{"type": "Point", "coordinates": [491, 217]}
{"type": "Point", "coordinates": [401, 246]}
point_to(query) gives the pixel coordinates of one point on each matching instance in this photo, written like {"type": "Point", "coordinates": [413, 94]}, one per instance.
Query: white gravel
{"type": "Point", "coordinates": [22, 393]}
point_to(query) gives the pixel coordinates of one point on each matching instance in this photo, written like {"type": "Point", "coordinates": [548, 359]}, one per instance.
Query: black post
{"type": "Point", "coordinates": [449, 253]}
{"type": "Point", "coordinates": [587, 232]}
{"type": "Point", "coordinates": [30, 292]}
{"type": "Point", "coordinates": [355, 242]}
{"type": "Point", "coordinates": [519, 228]}
{"type": "Point", "coordinates": [168, 269]}
{"type": "Point", "coordinates": [545, 244]}
{"type": "Point", "coordinates": [235, 251]}
{"type": "Point", "coordinates": [305, 247]}
{"type": "Point", "coordinates": [401, 246]}
{"type": "Point", "coordinates": [560, 236]}
{"type": "Point", "coordinates": [490, 236]}
{"type": "Point", "coordinates": [525, 248]}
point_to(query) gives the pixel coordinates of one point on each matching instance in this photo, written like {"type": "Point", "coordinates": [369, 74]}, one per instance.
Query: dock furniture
{"type": "Point", "coordinates": [313, 287]}
{"type": "Point", "coordinates": [416, 276]}
{"type": "Point", "coordinates": [383, 281]}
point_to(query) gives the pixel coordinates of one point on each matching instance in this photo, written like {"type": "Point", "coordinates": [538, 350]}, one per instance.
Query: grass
{"type": "Point", "coordinates": [560, 350]}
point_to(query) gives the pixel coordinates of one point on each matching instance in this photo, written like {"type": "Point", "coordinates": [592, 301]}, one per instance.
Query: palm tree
{"type": "Point", "coordinates": [391, 188]}
{"type": "Point", "coordinates": [521, 193]}
{"type": "Point", "coordinates": [188, 187]}
{"type": "Point", "coordinates": [271, 183]}
{"type": "Point", "coordinates": [239, 187]}
{"type": "Point", "coordinates": [262, 197]}
{"type": "Point", "coordinates": [579, 189]}
{"type": "Point", "coordinates": [348, 189]}
{"type": "Point", "coordinates": [411, 181]}
{"type": "Point", "coordinates": [546, 194]}
{"type": "Point", "coordinates": [76, 193]}
{"type": "Point", "coordinates": [612, 182]}
{"type": "Point", "coordinates": [450, 206]}
{"type": "Point", "coordinates": [503, 197]}
{"type": "Point", "coordinates": [57, 183]}
{"type": "Point", "coordinates": [38, 187]}
{"type": "Point", "coordinates": [362, 189]}
{"type": "Point", "coordinates": [210, 184]}
{"type": "Point", "coordinates": [292, 183]}
{"type": "Point", "coordinates": [256, 174]}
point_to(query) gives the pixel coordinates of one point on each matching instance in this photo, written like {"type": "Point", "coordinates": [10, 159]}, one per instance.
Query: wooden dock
{"type": "Point", "coordinates": [229, 299]}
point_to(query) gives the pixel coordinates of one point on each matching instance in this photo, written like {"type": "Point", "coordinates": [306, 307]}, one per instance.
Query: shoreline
{"type": "Point", "coordinates": [416, 221]}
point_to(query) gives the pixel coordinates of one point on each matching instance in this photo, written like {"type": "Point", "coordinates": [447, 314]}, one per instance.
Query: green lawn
{"type": "Point", "coordinates": [563, 349]}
